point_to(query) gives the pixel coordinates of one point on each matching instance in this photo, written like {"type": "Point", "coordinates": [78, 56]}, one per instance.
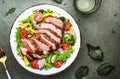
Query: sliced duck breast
{"type": "Point", "coordinates": [51, 35]}
{"type": "Point", "coordinates": [27, 48]}
{"type": "Point", "coordinates": [51, 43]}
{"type": "Point", "coordinates": [51, 40]}
{"type": "Point", "coordinates": [36, 56]}
{"type": "Point", "coordinates": [24, 50]}
{"type": "Point", "coordinates": [52, 27]}
{"type": "Point", "coordinates": [32, 46]}
{"type": "Point", "coordinates": [54, 20]}
{"type": "Point", "coordinates": [25, 53]}
{"type": "Point", "coordinates": [38, 37]}
{"type": "Point", "coordinates": [43, 46]}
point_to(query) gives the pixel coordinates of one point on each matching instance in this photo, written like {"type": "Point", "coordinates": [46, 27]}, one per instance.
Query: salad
{"type": "Point", "coordinates": [45, 39]}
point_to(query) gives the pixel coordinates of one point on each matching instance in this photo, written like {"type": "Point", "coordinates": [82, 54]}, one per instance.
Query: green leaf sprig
{"type": "Point", "coordinates": [10, 11]}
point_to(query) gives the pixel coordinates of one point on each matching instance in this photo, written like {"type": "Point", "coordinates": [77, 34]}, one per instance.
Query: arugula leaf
{"type": "Point", "coordinates": [95, 53]}
{"type": "Point", "coordinates": [63, 56]}
{"type": "Point", "coordinates": [10, 11]}
{"type": "Point", "coordinates": [81, 72]}
{"type": "Point", "coordinates": [104, 69]}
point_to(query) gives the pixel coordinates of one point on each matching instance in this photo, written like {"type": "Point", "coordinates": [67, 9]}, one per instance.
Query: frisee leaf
{"type": "Point", "coordinates": [81, 72]}
{"type": "Point", "coordinates": [95, 53]}
{"type": "Point", "coordinates": [104, 69]}
{"type": "Point", "coordinates": [10, 11]}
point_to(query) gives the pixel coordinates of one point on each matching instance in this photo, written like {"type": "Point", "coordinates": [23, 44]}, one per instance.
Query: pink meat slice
{"type": "Point", "coordinates": [41, 45]}
{"type": "Point", "coordinates": [57, 39]}
{"type": "Point", "coordinates": [48, 41]}
{"type": "Point", "coordinates": [52, 27]}
{"type": "Point", "coordinates": [56, 21]}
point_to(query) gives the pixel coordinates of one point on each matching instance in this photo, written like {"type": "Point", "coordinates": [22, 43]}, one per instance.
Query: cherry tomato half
{"type": "Point", "coordinates": [58, 64]}
{"type": "Point", "coordinates": [23, 33]}
{"type": "Point", "coordinates": [38, 17]}
{"type": "Point", "coordinates": [65, 46]}
{"type": "Point", "coordinates": [35, 64]}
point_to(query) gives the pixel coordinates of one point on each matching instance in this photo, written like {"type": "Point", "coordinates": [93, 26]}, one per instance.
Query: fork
{"type": "Point", "coordinates": [3, 59]}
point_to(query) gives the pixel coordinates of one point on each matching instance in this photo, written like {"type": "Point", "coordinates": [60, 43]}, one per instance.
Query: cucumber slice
{"type": "Point", "coordinates": [53, 58]}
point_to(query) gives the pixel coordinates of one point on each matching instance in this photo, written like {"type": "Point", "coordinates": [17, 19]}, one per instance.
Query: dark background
{"type": "Point", "coordinates": [99, 29]}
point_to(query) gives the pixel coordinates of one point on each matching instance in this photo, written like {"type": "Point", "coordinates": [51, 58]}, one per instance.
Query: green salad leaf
{"type": "Point", "coordinates": [104, 69]}
{"type": "Point", "coordinates": [18, 41]}
{"type": "Point", "coordinates": [69, 38]}
{"type": "Point", "coordinates": [64, 19]}
{"type": "Point", "coordinates": [28, 19]}
{"type": "Point", "coordinates": [63, 56]}
{"type": "Point", "coordinates": [48, 64]}
{"type": "Point", "coordinates": [81, 72]}
{"type": "Point", "coordinates": [95, 53]}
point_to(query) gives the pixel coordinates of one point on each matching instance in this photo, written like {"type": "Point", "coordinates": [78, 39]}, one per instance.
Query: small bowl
{"type": "Point", "coordinates": [94, 9]}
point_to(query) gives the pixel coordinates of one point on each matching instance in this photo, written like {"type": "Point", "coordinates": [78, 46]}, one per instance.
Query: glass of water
{"type": "Point", "coordinates": [87, 6]}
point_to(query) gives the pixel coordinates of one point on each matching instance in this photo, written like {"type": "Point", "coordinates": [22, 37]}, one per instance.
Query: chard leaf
{"type": "Point", "coordinates": [95, 53]}
{"type": "Point", "coordinates": [105, 69]}
{"type": "Point", "coordinates": [81, 72]}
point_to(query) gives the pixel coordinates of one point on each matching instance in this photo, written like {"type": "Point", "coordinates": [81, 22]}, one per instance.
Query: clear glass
{"type": "Point", "coordinates": [87, 6]}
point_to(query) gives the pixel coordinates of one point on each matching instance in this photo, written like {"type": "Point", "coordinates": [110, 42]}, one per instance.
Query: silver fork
{"type": "Point", "coordinates": [3, 59]}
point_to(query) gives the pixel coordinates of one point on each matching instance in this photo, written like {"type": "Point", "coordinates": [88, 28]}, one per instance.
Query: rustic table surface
{"type": "Point", "coordinates": [99, 29]}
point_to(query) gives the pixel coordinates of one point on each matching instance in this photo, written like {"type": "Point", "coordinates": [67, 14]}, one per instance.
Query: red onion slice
{"type": "Point", "coordinates": [41, 63]}
{"type": "Point", "coordinates": [61, 50]}
{"type": "Point", "coordinates": [36, 26]}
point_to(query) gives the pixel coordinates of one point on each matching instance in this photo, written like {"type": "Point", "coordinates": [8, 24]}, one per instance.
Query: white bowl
{"type": "Point", "coordinates": [62, 12]}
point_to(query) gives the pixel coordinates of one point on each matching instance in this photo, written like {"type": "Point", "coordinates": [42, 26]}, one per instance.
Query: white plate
{"type": "Point", "coordinates": [28, 12]}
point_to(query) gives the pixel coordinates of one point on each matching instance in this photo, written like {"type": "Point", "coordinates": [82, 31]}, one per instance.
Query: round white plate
{"type": "Point", "coordinates": [28, 12]}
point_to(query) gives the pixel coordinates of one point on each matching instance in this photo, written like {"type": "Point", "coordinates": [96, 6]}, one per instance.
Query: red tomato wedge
{"type": "Point", "coordinates": [35, 64]}
{"type": "Point", "coordinates": [65, 46]}
{"type": "Point", "coordinates": [58, 64]}
{"type": "Point", "coordinates": [38, 17]}
{"type": "Point", "coordinates": [68, 25]}
{"type": "Point", "coordinates": [23, 33]}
